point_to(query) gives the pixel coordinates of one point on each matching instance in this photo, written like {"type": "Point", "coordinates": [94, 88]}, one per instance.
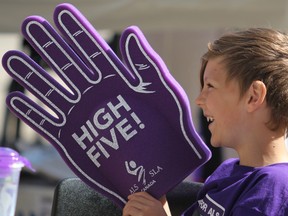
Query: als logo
{"type": "Point", "coordinates": [139, 171]}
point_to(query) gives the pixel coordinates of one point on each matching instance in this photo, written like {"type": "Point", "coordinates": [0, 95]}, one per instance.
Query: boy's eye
{"type": "Point", "coordinates": [209, 85]}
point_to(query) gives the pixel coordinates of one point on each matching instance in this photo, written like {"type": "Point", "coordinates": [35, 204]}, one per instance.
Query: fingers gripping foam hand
{"type": "Point", "coordinates": [121, 127]}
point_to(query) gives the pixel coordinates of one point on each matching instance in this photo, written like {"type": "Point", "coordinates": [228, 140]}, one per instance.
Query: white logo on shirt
{"type": "Point", "coordinates": [208, 206]}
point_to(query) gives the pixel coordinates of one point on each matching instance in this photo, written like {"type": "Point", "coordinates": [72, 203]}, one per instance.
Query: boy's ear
{"type": "Point", "coordinates": [256, 95]}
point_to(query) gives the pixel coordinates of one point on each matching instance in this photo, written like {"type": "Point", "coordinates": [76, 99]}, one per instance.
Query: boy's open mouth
{"type": "Point", "coordinates": [210, 119]}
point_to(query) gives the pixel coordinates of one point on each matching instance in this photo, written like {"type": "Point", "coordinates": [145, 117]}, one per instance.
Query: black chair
{"type": "Point", "coordinates": [73, 197]}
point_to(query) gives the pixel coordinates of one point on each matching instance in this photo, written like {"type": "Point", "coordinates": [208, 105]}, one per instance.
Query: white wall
{"type": "Point", "coordinates": [7, 42]}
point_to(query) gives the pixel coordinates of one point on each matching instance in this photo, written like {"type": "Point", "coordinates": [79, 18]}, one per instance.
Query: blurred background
{"type": "Point", "coordinates": [178, 30]}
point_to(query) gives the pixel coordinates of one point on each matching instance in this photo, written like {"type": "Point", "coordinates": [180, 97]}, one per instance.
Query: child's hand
{"type": "Point", "coordinates": [144, 204]}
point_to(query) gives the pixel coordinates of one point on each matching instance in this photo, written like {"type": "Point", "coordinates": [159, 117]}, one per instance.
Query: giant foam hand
{"type": "Point", "coordinates": [121, 127]}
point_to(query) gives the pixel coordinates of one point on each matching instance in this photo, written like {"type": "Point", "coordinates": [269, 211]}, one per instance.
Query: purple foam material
{"type": "Point", "coordinates": [122, 127]}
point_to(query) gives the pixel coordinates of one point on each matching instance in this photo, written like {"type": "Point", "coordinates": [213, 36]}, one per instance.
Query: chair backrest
{"type": "Point", "coordinates": [73, 197]}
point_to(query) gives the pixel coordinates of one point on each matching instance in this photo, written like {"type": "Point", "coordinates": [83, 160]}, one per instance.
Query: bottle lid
{"type": "Point", "coordinates": [10, 158]}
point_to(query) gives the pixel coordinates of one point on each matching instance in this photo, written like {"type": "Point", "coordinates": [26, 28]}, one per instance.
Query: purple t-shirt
{"type": "Point", "coordinates": [240, 190]}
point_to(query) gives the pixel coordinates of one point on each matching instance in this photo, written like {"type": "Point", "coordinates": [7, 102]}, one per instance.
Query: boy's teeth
{"type": "Point", "coordinates": [209, 119]}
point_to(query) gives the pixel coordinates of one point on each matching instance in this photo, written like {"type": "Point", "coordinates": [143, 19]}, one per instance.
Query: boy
{"type": "Point", "coordinates": [244, 78]}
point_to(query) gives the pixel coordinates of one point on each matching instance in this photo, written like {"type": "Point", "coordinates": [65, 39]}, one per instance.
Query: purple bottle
{"type": "Point", "coordinates": [11, 164]}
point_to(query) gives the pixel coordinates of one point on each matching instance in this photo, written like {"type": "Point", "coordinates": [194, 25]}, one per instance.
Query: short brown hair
{"type": "Point", "coordinates": [256, 54]}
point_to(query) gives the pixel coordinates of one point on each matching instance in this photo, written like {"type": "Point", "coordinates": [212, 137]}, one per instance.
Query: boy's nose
{"type": "Point", "coordinates": [200, 100]}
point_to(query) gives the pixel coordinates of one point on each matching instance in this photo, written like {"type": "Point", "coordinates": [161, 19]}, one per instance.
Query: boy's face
{"type": "Point", "coordinates": [221, 104]}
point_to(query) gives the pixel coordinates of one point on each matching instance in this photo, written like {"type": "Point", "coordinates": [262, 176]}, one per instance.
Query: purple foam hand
{"type": "Point", "coordinates": [121, 127]}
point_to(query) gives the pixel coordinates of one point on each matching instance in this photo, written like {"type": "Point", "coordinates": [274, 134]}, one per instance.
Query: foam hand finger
{"type": "Point", "coordinates": [34, 115]}
{"type": "Point", "coordinates": [30, 75]}
{"type": "Point", "coordinates": [88, 44]}
{"type": "Point", "coordinates": [154, 77]}
{"type": "Point", "coordinates": [143, 62]}
{"type": "Point", "coordinates": [56, 52]}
